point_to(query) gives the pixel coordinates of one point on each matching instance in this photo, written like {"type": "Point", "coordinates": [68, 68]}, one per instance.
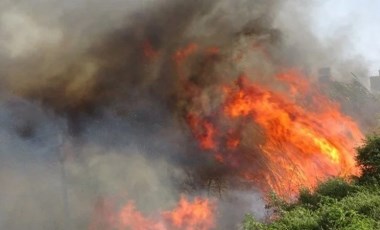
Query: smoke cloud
{"type": "Point", "coordinates": [92, 105]}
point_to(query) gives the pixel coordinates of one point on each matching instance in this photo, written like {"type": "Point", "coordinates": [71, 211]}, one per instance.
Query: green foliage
{"type": "Point", "coordinates": [366, 203]}
{"type": "Point", "coordinates": [297, 219]}
{"type": "Point", "coordinates": [358, 210]}
{"type": "Point", "coordinates": [368, 158]}
{"type": "Point", "coordinates": [339, 217]}
{"type": "Point", "coordinates": [336, 188]}
{"type": "Point", "coordinates": [335, 203]}
{"type": "Point", "coordinates": [277, 204]}
{"type": "Point", "coordinates": [250, 223]}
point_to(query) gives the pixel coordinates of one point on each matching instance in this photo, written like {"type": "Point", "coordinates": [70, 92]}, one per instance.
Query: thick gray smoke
{"type": "Point", "coordinates": [86, 115]}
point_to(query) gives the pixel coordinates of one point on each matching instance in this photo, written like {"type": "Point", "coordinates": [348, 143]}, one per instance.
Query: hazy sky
{"type": "Point", "coordinates": [355, 21]}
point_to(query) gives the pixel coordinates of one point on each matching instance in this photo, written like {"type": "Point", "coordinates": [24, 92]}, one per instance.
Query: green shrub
{"type": "Point", "coordinates": [368, 158]}
{"type": "Point", "coordinates": [308, 199]}
{"type": "Point", "coordinates": [336, 188]}
{"type": "Point", "coordinates": [296, 219]}
{"type": "Point", "coordinates": [250, 223]}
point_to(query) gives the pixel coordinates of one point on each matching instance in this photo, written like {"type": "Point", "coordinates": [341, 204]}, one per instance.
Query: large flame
{"type": "Point", "coordinates": [303, 143]}
{"type": "Point", "coordinates": [279, 137]}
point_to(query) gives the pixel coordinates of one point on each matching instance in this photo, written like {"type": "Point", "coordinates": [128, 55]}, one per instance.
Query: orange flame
{"type": "Point", "coordinates": [203, 130]}
{"type": "Point", "coordinates": [306, 137]}
{"type": "Point", "coordinates": [301, 144]}
{"type": "Point", "coordinates": [192, 216]}
{"type": "Point", "coordinates": [130, 218]}
{"type": "Point", "coordinates": [184, 53]}
{"type": "Point", "coordinates": [187, 215]}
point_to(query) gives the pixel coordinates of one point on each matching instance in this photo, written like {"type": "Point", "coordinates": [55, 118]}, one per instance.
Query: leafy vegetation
{"type": "Point", "coordinates": [336, 203]}
{"type": "Point", "coordinates": [369, 159]}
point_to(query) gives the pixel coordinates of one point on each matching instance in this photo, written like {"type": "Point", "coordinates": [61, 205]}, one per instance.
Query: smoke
{"type": "Point", "coordinates": [303, 47]}
{"type": "Point", "coordinates": [114, 159]}
{"type": "Point", "coordinates": [93, 107]}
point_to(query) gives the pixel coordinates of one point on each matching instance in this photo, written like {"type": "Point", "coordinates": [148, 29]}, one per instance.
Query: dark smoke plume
{"type": "Point", "coordinates": [92, 105]}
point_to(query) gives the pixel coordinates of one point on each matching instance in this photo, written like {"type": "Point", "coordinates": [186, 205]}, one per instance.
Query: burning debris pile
{"type": "Point", "coordinates": [134, 124]}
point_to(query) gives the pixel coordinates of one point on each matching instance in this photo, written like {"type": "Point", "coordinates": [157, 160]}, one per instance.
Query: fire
{"type": "Point", "coordinates": [187, 215]}
{"type": "Point", "coordinates": [298, 136]}
{"type": "Point", "coordinates": [192, 216]}
{"type": "Point", "coordinates": [184, 53]}
{"type": "Point", "coordinates": [204, 131]}
{"type": "Point", "coordinates": [130, 218]}
{"type": "Point", "coordinates": [309, 144]}
{"type": "Point", "coordinates": [277, 138]}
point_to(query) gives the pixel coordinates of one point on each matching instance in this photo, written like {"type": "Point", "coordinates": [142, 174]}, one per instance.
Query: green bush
{"type": "Point", "coordinates": [336, 188]}
{"type": "Point", "coordinates": [250, 223]}
{"type": "Point", "coordinates": [308, 199]}
{"type": "Point", "coordinates": [360, 210]}
{"type": "Point", "coordinates": [368, 158]}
